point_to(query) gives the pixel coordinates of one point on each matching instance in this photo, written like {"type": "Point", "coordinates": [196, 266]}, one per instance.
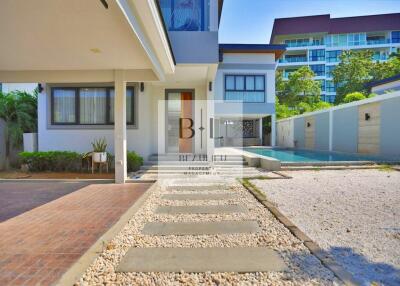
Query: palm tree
{"type": "Point", "coordinates": [19, 111]}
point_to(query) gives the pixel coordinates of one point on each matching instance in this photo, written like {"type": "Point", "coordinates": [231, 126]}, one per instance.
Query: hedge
{"type": "Point", "coordinates": [52, 161]}
{"type": "Point", "coordinates": [134, 161]}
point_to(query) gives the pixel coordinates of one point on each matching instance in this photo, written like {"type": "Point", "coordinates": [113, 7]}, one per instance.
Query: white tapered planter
{"type": "Point", "coordinates": [100, 157]}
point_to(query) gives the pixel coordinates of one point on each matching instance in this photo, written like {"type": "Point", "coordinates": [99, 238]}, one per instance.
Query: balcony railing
{"type": "Point", "coordinates": [378, 42]}
{"type": "Point", "coordinates": [293, 60]}
{"type": "Point", "coordinates": [303, 44]}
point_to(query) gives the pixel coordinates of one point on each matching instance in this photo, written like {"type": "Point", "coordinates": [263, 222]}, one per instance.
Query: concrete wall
{"type": "Point", "coordinates": [390, 127]}
{"type": "Point", "coordinates": [27, 87]}
{"type": "Point", "coordinates": [345, 130]}
{"type": "Point", "coordinates": [299, 132]}
{"type": "Point", "coordinates": [322, 131]}
{"type": "Point", "coordinates": [350, 130]}
{"type": "Point", "coordinates": [285, 133]}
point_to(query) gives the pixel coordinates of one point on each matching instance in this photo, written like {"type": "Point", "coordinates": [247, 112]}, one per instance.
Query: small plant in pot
{"type": "Point", "coordinates": [99, 151]}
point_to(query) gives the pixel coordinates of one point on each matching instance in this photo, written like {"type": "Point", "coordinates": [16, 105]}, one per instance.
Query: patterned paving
{"type": "Point", "coordinates": [38, 246]}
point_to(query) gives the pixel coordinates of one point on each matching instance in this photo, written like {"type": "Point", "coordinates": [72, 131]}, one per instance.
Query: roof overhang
{"type": "Point", "coordinates": [278, 50]}
{"type": "Point", "coordinates": [47, 40]}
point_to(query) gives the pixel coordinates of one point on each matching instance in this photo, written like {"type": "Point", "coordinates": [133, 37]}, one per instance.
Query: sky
{"type": "Point", "coordinates": [251, 21]}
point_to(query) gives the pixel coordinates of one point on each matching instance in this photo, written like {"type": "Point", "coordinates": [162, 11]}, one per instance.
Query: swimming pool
{"type": "Point", "coordinates": [304, 156]}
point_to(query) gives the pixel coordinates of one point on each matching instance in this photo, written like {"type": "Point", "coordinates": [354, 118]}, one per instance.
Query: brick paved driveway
{"type": "Point", "coordinates": [19, 197]}
{"type": "Point", "coordinates": [38, 246]}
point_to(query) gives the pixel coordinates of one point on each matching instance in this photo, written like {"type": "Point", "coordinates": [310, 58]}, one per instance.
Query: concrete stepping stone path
{"type": "Point", "coordinates": [218, 259]}
{"type": "Point", "coordinates": [198, 197]}
{"type": "Point", "coordinates": [200, 228]}
{"type": "Point", "coordinates": [218, 209]}
{"type": "Point", "coordinates": [196, 260]}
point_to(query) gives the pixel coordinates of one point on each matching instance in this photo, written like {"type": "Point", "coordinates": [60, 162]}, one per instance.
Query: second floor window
{"type": "Point", "coordinates": [185, 15]}
{"type": "Point", "coordinates": [245, 88]}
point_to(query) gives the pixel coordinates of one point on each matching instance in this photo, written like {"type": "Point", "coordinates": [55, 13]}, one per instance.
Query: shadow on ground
{"type": "Point", "coordinates": [364, 271]}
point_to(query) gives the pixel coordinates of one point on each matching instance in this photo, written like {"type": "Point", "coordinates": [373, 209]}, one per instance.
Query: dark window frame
{"type": "Point", "coordinates": [316, 55]}
{"type": "Point", "coordinates": [320, 71]}
{"type": "Point", "coordinates": [244, 87]}
{"type": "Point", "coordinates": [397, 38]}
{"type": "Point", "coordinates": [130, 122]}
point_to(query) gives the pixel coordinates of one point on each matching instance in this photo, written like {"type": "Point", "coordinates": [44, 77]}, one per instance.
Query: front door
{"type": "Point", "coordinates": [180, 131]}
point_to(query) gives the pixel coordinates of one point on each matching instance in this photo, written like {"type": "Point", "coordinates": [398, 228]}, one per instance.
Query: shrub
{"type": "Point", "coordinates": [52, 161]}
{"type": "Point", "coordinates": [354, 96]}
{"type": "Point", "coordinates": [134, 161]}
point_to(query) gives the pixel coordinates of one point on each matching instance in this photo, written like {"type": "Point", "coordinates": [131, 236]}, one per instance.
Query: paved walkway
{"type": "Point", "coordinates": [38, 246]}
{"type": "Point", "coordinates": [213, 259]}
{"type": "Point", "coordinates": [22, 196]}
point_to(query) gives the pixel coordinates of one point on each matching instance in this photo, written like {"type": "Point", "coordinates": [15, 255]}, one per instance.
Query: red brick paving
{"type": "Point", "coordinates": [38, 246]}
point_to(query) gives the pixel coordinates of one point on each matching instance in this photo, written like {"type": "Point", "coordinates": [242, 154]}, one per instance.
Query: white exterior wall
{"type": "Point", "coordinates": [149, 136]}
{"type": "Point", "coordinates": [27, 87]}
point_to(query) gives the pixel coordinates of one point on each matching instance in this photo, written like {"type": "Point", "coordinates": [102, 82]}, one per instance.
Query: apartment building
{"type": "Point", "coordinates": [318, 41]}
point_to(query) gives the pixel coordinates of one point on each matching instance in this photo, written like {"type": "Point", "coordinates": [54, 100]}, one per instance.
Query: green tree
{"type": "Point", "coordinates": [19, 112]}
{"type": "Point", "coordinates": [299, 87]}
{"type": "Point", "coordinates": [357, 68]}
{"type": "Point", "coordinates": [352, 73]}
{"type": "Point", "coordinates": [354, 96]}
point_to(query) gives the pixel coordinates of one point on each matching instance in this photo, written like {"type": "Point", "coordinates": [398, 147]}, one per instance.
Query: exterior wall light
{"type": "Point", "coordinates": [105, 4]}
{"type": "Point", "coordinates": [367, 116]}
{"type": "Point", "coordinates": [308, 124]}
{"type": "Point", "coordinates": [210, 86]}
{"type": "Point", "coordinates": [141, 86]}
{"type": "Point", "coordinates": [40, 87]}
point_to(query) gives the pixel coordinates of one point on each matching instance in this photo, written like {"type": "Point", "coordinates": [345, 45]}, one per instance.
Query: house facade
{"type": "Point", "coordinates": [148, 76]}
{"type": "Point", "coordinates": [318, 41]}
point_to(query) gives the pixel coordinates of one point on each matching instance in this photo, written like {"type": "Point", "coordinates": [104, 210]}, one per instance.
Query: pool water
{"type": "Point", "coordinates": [288, 155]}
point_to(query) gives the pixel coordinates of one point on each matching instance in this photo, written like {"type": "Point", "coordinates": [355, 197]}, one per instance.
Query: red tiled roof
{"type": "Point", "coordinates": [324, 23]}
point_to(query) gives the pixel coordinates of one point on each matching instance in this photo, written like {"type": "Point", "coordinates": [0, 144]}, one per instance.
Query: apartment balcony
{"type": "Point", "coordinates": [293, 60]}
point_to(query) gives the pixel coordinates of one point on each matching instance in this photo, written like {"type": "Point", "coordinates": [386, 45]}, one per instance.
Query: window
{"type": "Point", "coordinates": [319, 70]}
{"type": "Point", "coordinates": [329, 70]}
{"type": "Point", "coordinates": [88, 106]}
{"type": "Point", "coordinates": [318, 41]}
{"type": "Point", "coordinates": [317, 55]}
{"type": "Point", "coordinates": [330, 86]}
{"type": "Point", "coordinates": [245, 88]}
{"type": "Point", "coordinates": [184, 15]}
{"type": "Point", "coordinates": [396, 37]}
{"type": "Point", "coordinates": [337, 40]}
{"type": "Point", "coordinates": [356, 39]}
{"type": "Point", "coordinates": [333, 56]}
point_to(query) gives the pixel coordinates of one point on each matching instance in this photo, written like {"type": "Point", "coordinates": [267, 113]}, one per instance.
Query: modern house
{"type": "Point", "coordinates": [387, 85]}
{"type": "Point", "coordinates": [318, 41]}
{"type": "Point", "coordinates": [147, 75]}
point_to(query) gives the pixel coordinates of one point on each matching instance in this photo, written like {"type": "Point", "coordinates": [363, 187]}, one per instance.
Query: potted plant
{"type": "Point", "coordinates": [99, 151]}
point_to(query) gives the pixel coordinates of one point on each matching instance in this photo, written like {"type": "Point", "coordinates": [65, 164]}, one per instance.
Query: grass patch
{"type": "Point", "coordinates": [385, 168]}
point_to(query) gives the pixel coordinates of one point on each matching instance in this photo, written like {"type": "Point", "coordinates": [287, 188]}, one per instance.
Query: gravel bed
{"type": "Point", "coordinates": [352, 214]}
{"type": "Point", "coordinates": [303, 268]}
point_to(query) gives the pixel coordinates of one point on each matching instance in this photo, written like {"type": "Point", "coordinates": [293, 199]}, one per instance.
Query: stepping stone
{"type": "Point", "coordinates": [198, 188]}
{"type": "Point", "coordinates": [219, 209]}
{"type": "Point", "coordinates": [215, 259]}
{"type": "Point", "coordinates": [198, 197]}
{"type": "Point", "coordinates": [200, 228]}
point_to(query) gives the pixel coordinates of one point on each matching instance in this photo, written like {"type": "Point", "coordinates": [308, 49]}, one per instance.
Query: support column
{"type": "Point", "coordinates": [330, 130]}
{"type": "Point", "coordinates": [260, 130]}
{"type": "Point", "coordinates": [120, 127]}
{"type": "Point", "coordinates": [273, 130]}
